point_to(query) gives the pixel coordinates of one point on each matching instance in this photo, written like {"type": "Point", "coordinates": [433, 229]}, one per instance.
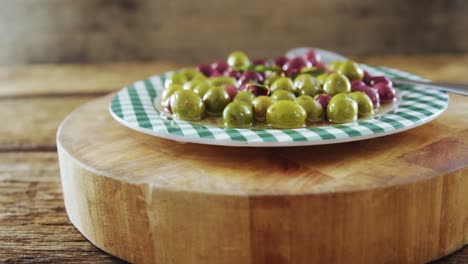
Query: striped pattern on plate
{"type": "Point", "coordinates": [133, 107]}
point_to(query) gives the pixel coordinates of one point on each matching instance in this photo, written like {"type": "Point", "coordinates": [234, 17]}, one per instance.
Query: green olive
{"type": "Point", "coordinates": [306, 85]}
{"type": "Point", "coordinates": [190, 73]}
{"type": "Point", "coordinates": [215, 99]}
{"type": "Point", "coordinates": [282, 83]}
{"type": "Point", "coordinates": [334, 65]}
{"type": "Point", "coordinates": [272, 77]}
{"type": "Point", "coordinates": [336, 83]}
{"type": "Point", "coordinates": [322, 77]}
{"type": "Point", "coordinates": [245, 96]}
{"type": "Point", "coordinates": [342, 109]}
{"type": "Point", "coordinates": [260, 106]}
{"type": "Point", "coordinates": [187, 105]}
{"type": "Point", "coordinates": [352, 70]}
{"type": "Point", "coordinates": [168, 92]}
{"type": "Point", "coordinates": [238, 60]}
{"type": "Point", "coordinates": [201, 88]}
{"type": "Point", "coordinates": [190, 85]}
{"type": "Point", "coordinates": [283, 95]}
{"type": "Point", "coordinates": [200, 77]}
{"type": "Point", "coordinates": [313, 109]}
{"type": "Point", "coordinates": [365, 106]}
{"type": "Point", "coordinates": [286, 114]}
{"type": "Point", "coordinates": [176, 78]}
{"type": "Point", "coordinates": [222, 80]}
{"type": "Point", "coordinates": [238, 114]}
{"type": "Point", "coordinates": [309, 69]}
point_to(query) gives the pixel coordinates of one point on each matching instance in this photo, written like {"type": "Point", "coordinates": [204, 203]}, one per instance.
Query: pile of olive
{"type": "Point", "coordinates": [283, 93]}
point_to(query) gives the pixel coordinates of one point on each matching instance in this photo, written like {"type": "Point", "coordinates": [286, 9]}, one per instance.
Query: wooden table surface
{"type": "Point", "coordinates": [34, 100]}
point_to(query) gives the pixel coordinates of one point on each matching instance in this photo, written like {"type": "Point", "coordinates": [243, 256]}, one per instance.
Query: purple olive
{"type": "Point", "coordinates": [263, 74]}
{"type": "Point", "coordinates": [220, 66]}
{"type": "Point", "coordinates": [381, 79]}
{"type": "Point", "coordinates": [323, 100]}
{"type": "Point", "coordinates": [216, 74]}
{"type": "Point", "coordinates": [312, 56]}
{"type": "Point", "coordinates": [386, 92]}
{"type": "Point", "coordinates": [168, 107]}
{"type": "Point", "coordinates": [368, 78]}
{"type": "Point", "coordinates": [205, 69]}
{"type": "Point", "coordinates": [233, 73]}
{"type": "Point", "coordinates": [295, 65]}
{"type": "Point", "coordinates": [280, 61]}
{"type": "Point", "coordinates": [255, 88]}
{"type": "Point", "coordinates": [357, 84]}
{"type": "Point", "coordinates": [261, 62]}
{"type": "Point", "coordinates": [231, 90]}
{"type": "Point", "coordinates": [250, 76]}
{"type": "Point", "coordinates": [320, 65]}
{"type": "Point", "coordinates": [371, 92]}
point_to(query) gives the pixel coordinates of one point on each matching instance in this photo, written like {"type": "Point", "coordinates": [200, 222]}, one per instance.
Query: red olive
{"type": "Point", "coordinates": [261, 62]}
{"type": "Point", "coordinates": [356, 85]}
{"type": "Point", "coordinates": [371, 92]}
{"type": "Point", "coordinates": [386, 92]}
{"type": "Point", "coordinates": [381, 79]}
{"type": "Point", "coordinates": [220, 66]}
{"type": "Point", "coordinates": [368, 78]}
{"type": "Point", "coordinates": [205, 69]}
{"type": "Point", "coordinates": [231, 90]}
{"type": "Point", "coordinates": [320, 65]}
{"type": "Point", "coordinates": [295, 65]}
{"type": "Point", "coordinates": [250, 76]}
{"type": "Point", "coordinates": [280, 61]}
{"type": "Point", "coordinates": [233, 73]}
{"type": "Point", "coordinates": [313, 57]}
{"type": "Point", "coordinates": [256, 89]}
{"type": "Point", "coordinates": [323, 100]}
{"type": "Point", "coordinates": [168, 107]}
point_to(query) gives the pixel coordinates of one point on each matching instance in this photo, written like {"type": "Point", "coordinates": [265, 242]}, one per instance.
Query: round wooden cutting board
{"type": "Point", "coordinates": [396, 199]}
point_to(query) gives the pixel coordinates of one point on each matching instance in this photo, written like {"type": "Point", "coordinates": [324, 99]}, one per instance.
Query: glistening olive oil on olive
{"type": "Point", "coordinates": [277, 93]}
{"type": "Point", "coordinates": [217, 121]}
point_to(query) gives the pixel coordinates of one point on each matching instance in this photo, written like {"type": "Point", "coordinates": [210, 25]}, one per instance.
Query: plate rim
{"type": "Point", "coordinates": [237, 143]}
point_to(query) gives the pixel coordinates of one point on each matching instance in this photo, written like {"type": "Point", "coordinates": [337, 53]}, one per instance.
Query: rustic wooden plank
{"type": "Point", "coordinates": [60, 80]}
{"type": "Point", "coordinates": [31, 123]}
{"type": "Point", "coordinates": [91, 31]}
{"type": "Point", "coordinates": [34, 227]}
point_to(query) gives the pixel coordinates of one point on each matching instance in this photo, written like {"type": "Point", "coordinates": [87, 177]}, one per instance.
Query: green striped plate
{"type": "Point", "coordinates": [133, 107]}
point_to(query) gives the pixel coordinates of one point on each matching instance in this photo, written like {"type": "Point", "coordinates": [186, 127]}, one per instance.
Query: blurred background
{"type": "Point", "coordinates": [184, 31]}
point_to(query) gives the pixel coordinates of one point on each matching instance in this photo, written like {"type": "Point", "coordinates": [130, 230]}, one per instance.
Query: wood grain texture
{"type": "Point", "coordinates": [49, 31]}
{"type": "Point", "coordinates": [31, 123]}
{"type": "Point", "coordinates": [401, 198]}
{"type": "Point", "coordinates": [63, 80]}
{"type": "Point", "coordinates": [34, 227]}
